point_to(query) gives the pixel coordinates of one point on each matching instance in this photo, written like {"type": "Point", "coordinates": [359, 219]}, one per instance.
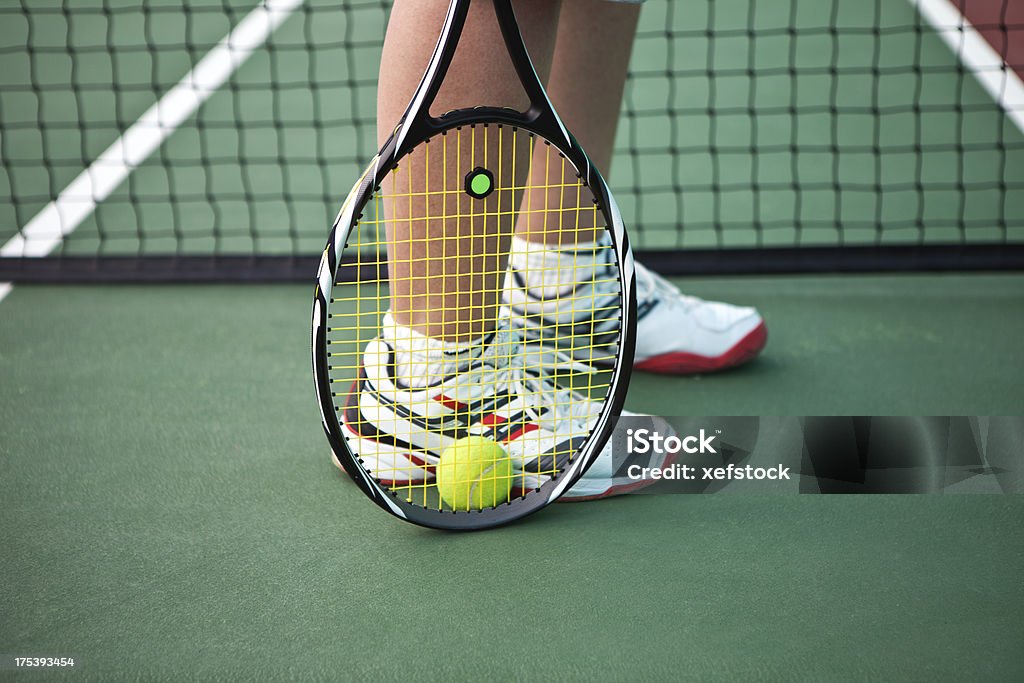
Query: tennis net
{"type": "Point", "coordinates": [215, 139]}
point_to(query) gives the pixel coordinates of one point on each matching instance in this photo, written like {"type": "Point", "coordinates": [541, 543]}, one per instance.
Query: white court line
{"type": "Point", "coordinates": [1000, 81]}
{"type": "Point", "coordinates": [78, 200]}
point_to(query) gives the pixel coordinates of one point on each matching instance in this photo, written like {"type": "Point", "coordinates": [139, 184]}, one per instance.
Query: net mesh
{"type": "Point", "coordinates": [780, 123]}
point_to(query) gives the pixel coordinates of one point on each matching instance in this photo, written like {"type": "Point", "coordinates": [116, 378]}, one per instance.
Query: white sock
{"type": "Point", "coordinates": [550, 272]}
{"type": "Point", "coordinates": [421, 361]}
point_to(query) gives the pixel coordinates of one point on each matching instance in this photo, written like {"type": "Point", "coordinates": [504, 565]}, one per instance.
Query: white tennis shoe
{"type": "Point", "coordinates": [610, 476]}
{"type": "Point", "coordinates": [676, 333]}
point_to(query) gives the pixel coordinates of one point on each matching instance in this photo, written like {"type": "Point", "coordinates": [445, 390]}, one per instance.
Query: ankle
{"type": "Point", "coordinates": [550, 272]}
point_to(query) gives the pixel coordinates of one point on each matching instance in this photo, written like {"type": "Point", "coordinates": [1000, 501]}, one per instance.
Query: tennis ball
{"type": "Point", "coordinates": [474, 473]}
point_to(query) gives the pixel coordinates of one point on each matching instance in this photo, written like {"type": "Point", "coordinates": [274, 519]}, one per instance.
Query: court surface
{"type": "Point", "coordinates": [169, 506]}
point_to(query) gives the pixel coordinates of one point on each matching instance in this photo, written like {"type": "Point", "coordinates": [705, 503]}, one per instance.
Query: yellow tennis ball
{"type": "Point", "coordinates": [474, 473]}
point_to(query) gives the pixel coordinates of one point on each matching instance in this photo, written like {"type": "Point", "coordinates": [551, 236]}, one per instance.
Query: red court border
{"type": "Point", "coordinates": [1001, 22]}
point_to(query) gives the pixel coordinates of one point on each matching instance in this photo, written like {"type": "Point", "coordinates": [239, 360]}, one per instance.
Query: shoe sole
{"type": "Point", "coordinates": [743, 351]}
{"type": "Point", "coordinates": [618, 490]}
{"type": "Point", "coordinates": [390, 483]}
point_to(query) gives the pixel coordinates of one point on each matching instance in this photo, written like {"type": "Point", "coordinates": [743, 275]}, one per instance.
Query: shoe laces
{"type": "Point", "coordinates": [565, 408]}
{"type": "Point", "coordinates": [528, 371]}
{"type": "Point", "coordinates": [651, 285]}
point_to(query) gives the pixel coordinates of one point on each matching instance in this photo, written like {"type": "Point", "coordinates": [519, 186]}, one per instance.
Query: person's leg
{"type": "Point", "coordinates": [588, 75]}
{"type": "Point", "coordinates": [434, 355]}
{"type": "Point", "coordinates": [676, 334]}
{"type": "Point", "coordinates": [445, 274]}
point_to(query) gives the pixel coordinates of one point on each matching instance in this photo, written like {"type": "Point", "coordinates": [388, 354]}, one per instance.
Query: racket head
{"type": "Point", "coordinates": [347, 261]}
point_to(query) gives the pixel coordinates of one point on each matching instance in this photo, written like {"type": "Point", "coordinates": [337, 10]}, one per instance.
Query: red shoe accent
{"type": "Point", "coordinates": [682, 363]}
{"type": "Point", "coordinates": [493, 419]}
{"type": "Point", "coordinates": [450, 403]}
{"type": "Point", "coordinates": [525, 429]}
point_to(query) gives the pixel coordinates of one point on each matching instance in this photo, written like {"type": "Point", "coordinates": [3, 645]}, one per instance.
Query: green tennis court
{"type": "Point", "coordinates": [166, 516]}
{"type": "Point", "coordinates": [169, 509]}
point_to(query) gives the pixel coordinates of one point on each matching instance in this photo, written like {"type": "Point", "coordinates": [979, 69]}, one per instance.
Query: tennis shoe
{"type": "Point", "coordinates": [398, 423]}
{"type": "Point", "coordinates": [676, 333]}
{"type": "Point", "coordinates": [610, 476]}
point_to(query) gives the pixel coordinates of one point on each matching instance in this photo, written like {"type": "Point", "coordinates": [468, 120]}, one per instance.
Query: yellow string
{"type": "Point", "coordinates": [356, 308]}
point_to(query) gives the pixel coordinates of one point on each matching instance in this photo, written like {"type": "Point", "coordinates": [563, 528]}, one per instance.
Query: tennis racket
{"type": "Point", "coordinates": [549, 373]}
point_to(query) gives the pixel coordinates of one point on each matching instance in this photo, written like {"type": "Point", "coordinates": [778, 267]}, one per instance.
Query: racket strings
{"type": "Point", "coordinates": [428, 257]}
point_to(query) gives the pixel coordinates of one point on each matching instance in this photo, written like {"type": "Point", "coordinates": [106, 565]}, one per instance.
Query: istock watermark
{"type": "Point", "coordinates": [644, 440]}
{"type": "Point", "coordinates": [829, 454]}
